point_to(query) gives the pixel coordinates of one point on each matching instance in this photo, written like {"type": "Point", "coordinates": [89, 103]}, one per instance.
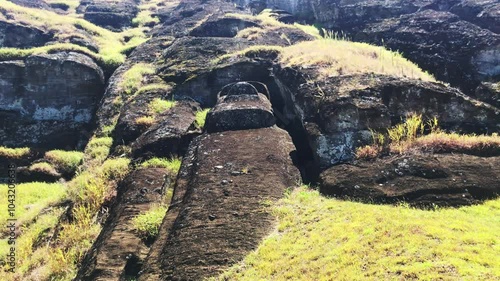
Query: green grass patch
{"type": "Point", "coordinates": [112, 45]}
{"type": "Point", "coordinates": [31, 198]}
{"type": "Point", "coordinates": [65, 161]}
{"type": "Point", "coordinates": [152, 88]}
{"type": "Point", "coordinates": [335, 57]}
{"type": "Point", "coordinates": [158, 106]}
{"type": "Point", "coordinates": [14, 153]}
{"type": "Point", "coordinates": [98, 148]}
{"type": "Point", "coordinates": [27, 240]}
{"type": "Point", "coordinates": [44, 167]}
{"type": "Point", "coordinates": [132, 79]}
{"type": "Point", "coordinates": [116, 169]}
{"type": "Point", "coordinates": [148, 223]}
{"type": "Point", "coordinates": [201, 117]}
{"type": "Point", "coordinates": [173, 164]}
{"type": "Point", "coordinates": [327, 239]}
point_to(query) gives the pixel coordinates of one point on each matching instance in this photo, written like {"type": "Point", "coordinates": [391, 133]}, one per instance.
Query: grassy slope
{"type": "Point", "coordinates": [327, 239]}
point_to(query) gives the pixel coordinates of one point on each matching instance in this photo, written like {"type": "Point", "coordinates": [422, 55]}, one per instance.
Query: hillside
{"type": "Point", "coordinates": [249, 140]}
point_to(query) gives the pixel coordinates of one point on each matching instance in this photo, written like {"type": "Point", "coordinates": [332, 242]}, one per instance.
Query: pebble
{"type": "Point", "coordinates": [224, 182]}
{"type": "Point", "coordinates": [211, 217]}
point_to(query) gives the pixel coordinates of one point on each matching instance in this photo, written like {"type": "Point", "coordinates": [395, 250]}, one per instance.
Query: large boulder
{"type": "Point", "coordinates": [13, 35]}
{"type": "Point", "coordinates": [115, 15]}
{"type": "Point", "coordinates": [48, 100]}
{"type": "Point", "coordinates": [427, 180]}
{"type": "Point", "coordinates": [454, 50]}
{"type": "Point", "coordinates": [342, 119]}
{"type": "Point", "coordinates": [171, 135]}
{"type": "Point", "coordinates": [456, 40]}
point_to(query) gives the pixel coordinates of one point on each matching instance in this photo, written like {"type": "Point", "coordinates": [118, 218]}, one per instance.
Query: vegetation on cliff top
{"type": "Point", "coordinates": [112, 45]}
{"type": "Point", "coordinates": [328, 239]}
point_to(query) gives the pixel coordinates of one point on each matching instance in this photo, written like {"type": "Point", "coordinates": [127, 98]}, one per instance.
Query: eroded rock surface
{"type": "Point", "coordinates": [447, 180]}
{"type": "Point", "coordinates": [48, 100]}
{"type": "Point", "coordinates": [456, 40]}
{"type": "Point", "coordinates": [240, 107]}
{"type": "Point", "coordinates": [110, 14]}
{"type": "Point", "coordinates": [340, 121]}
{"type": "Point", "coordinates": [14, 35]}
{"type": "Point", "coordinates": [218, 212]}
{"type": "Point", "coordinates": [171, 135]}
{"type": "Point", "coordinates": [119, 251]}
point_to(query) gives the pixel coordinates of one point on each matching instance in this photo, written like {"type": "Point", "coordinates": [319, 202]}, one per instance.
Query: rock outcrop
{"type": "Point", "coordinates": [114, 15]}
{"type": "Point", "coordinates": [14, 35]}
{"type": "Point", "coordinates": [455, 40]}
{"type": "Point", "coordinates": [171, 135]}
{"type": "Point", "coordinates": [217, 214]}
{"type": "Point", "coordinates": [48, 100]}
{"type": "Point", "coordinates": [424, 180]}
{"type": "Point", "coordinates": [240, 107]}
{"type": "Point", "coordinates": [340, 121]}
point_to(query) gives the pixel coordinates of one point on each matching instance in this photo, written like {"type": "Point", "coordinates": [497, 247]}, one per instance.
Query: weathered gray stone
{"type": "Point", "coordinates": [48, 99]}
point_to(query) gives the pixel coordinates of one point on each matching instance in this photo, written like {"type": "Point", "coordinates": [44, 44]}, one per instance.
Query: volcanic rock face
{"type": "Point", "coordinates": [447, 180]}
{"type": "Point", "coordinates": [171, 135]}
{"type": "Point", "coordinates": [111, 14]}
{"type": "Point", "coordinates": [455, 40]}
{"type": "Point", "coordinates": [216, 215]}
{"type": "Point", "coordinates": [47, 100]}
{"type": "Point", "coordinates": [340, 121]}
{"type": "Point", "coordinates": [19, 36]}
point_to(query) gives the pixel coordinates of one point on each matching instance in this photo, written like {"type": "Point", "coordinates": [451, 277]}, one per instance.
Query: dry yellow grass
{"type": "Point", "coordinates": [410, 137]}
{"type": "Point", "coordinates": [334, 57]}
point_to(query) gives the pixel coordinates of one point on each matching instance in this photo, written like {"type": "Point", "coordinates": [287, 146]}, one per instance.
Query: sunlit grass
{"type": "Point", "coordinates": [65, 161]}
{"type": "Point", "coordinates": [31, 198]}
{"type": "Point", "coordinates": [132, 79]}
{"type": "Point", "coordinates": [172, 164]}
{"type": "Point", "coordinates": [201, 117]}
{"type": "Point", "coordinates": [112, 45]}
{"type": "Point", "coordinates": [14, 153]}
{"type": "Point", "coordinates": [334, 57]}
{"type": "Point", "coordinates": [416, 135]}
{"type": "Point", "coordinates": [147, 224]}
{"type": "Point", "coordinates": [158, 106]}
{"type": "Point", "coordinates": [327, 239]}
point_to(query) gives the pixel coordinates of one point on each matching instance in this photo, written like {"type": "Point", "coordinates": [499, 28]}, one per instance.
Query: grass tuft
{"type": "Point", "coordinates": [159, 106]}
{"type": "Point", "coordinates": [133, 78]}
{"type": "Point", "coordinates": [410, 136]}
{"type": "Point", "coordinates": [14, 153]}
{"type": "Point", "coordinates": [201, 117]}
{"type": "Point", "coordinates": [44, 167]}
{"type": "Point", "coordinates": [173, 164]}
{"type": "Point", "coordinates": [334, 57]}
{"type": "Point", "coordinates": [148, 224]}
{"type": "Point", "coordinates": [65, 161]}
